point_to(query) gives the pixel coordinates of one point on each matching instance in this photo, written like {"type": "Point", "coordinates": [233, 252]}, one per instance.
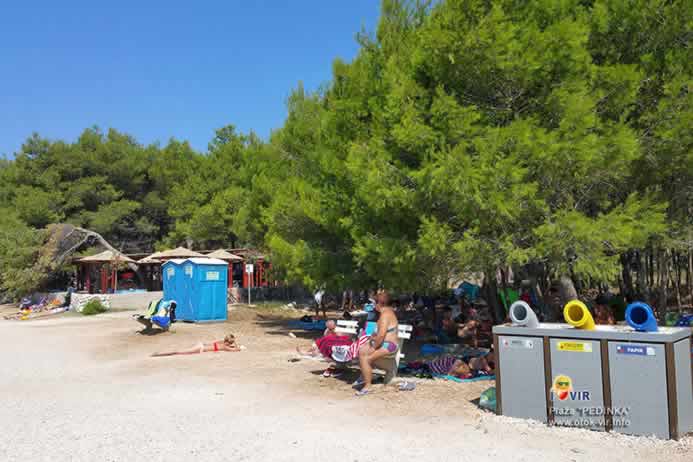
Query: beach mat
{"type": "Point", "coordinates": [303, 325]}
{"type": "Point", "coordinates": [452, 378]}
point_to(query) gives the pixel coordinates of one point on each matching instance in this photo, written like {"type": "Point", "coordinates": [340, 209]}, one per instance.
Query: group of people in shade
{"type": "Point", "coordinates": [368, 349]}
{"type": "Point", "coordinates": [384, 342]}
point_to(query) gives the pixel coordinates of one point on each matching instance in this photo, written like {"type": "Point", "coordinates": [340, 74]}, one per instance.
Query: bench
{"type": "Point", "coordinates": [390, 363]}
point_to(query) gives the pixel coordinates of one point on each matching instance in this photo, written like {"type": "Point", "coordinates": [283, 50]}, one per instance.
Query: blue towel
{"type": "Point", "coordinates": [161, 321]}
{"type": "Point", "coordinates": [459, 380]}
{"type": "Point", "coordinates": [315, 325]}
{"type": "Point", "coordinates": [431, 349]}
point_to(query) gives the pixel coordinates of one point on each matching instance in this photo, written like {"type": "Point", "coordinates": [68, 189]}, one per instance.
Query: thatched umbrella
{"type": "Point", "coordinates": [110, 261]}
{"type": "Point", "coordinates": [178, 252]}
{"type": "Point", "coordinates": [222, 254]}
{"type": "Point", "coordinates": [107, 256]}
{"type": "Point", "coordinates": [149, 260]}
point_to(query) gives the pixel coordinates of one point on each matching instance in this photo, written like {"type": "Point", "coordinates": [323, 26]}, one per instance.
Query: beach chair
{"type": "Point", "coordinates": [160, 313]}
{"type": "Point", "coordinates": [387, 364]}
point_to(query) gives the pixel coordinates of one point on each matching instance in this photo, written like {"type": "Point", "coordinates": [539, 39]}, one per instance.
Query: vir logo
{"type": "Point", "coordinates": [563, 390]}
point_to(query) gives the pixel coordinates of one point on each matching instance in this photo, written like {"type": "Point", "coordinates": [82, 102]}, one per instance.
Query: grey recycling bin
{"type": "Point", "coordinates": [522, 386]}
{"type": "Point", "coordinates": [610, 378]}
{"type": "Point", "coordinates": [580, 363]}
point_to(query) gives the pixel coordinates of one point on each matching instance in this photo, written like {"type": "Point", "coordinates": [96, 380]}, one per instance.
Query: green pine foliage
{"type": "Point", "coordinates": [466, 135]}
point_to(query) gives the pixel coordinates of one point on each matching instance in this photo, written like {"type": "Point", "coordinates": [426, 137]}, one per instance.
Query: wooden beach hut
{"type": "Point", "coordinates": [235, 263]}
{"type": "Point", "coordinates": [100, 272]}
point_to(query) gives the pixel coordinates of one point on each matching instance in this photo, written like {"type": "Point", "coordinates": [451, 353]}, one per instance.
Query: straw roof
{"type": "Point", "coordinates": [148, 260]}
{"type": "Point", "coordinates": [107, 256]}
{"type": "Point", "coordinates": [224, 255]}
{"type": "Point", "coordinates": [248, 254]}
{"type": "Point", "coordinates": [178, 252]}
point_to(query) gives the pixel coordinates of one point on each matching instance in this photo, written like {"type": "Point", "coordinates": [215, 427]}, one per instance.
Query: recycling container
{"type": "Point", "coordinates": [609, 378]}
{"type": "Point", "coordinates": [521, 360]}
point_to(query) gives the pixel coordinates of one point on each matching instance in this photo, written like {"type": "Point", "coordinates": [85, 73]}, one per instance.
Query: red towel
{"type": "Point", "coordinates": [326, 343]}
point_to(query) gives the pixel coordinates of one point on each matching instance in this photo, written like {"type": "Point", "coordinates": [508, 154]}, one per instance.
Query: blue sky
{"type": "Point", "coordinates": [158, 69]}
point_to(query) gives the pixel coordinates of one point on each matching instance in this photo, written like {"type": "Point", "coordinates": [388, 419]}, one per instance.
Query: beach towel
{"type": "Point", "coordinates": [487, 400]}
{"type": "Point", "coordinates": [162, 321]}
{"type": "Point", "coordinates": [326, 343]}
{"type": "Point", "coordinates": [347, 353]}
{"type": "Point", "coordinates": [452, 378]}
{"type": "Point", "coordinates": [356, 346]}
{"type": "Point", "coordinates": [307, 325]}
{"type": "Point", "coordinates": [340, 353]}
{"type": "Point", "coordinates": [442, 365]}
{"type": "Point", "coordinates": [439, 368]}
{"type": "Point", "coordinates": [152, 308]}
{"type": "Point", "coordinates": [159, 312]}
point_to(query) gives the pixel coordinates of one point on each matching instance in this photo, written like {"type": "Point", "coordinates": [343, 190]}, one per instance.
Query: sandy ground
{"type": "Point", "coordinates": [85, 389]}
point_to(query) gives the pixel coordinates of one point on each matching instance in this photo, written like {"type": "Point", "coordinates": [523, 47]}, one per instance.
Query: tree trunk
{"type": "Point", "coordinates": [491, 294]}
{"type": "Point", "coordinates": [663, 283]}
{"type": "Point", "coordinates": [640, 285]}
{"type": "Point", "coordinates": [566, 290]}
{"type": "Point", "coordinates": [83, 236]}
{"type": "Point", "coordinates": [504, 288]}
{"type": "Point", "coordinates": [625, 275]}
{"type": "Point", "coordinates": [677, 278]}
{"type": "Point", "coordinates": [690, 277]}
{"type": "Point", "coordinates": [651, 267]}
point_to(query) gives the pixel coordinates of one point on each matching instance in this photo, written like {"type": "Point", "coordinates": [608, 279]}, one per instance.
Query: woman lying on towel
{"type": "Point", "coordinates": [472, 367]}
{"type": "Point", "coordinates": [228, 344]}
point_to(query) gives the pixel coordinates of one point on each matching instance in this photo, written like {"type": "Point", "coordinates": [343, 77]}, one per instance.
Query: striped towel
{"type": "Point", "coordinates": [344, 354]}
{"type": "Point", "coordinates": [327, 343]}
{"type": "Point", "coordinates": [441, 365]}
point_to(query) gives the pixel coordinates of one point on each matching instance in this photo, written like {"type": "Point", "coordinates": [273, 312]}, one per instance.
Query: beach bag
{"type": "Point", "coordinates": [488, 399]}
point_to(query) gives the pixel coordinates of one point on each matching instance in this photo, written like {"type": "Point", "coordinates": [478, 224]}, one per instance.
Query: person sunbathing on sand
{"type": "Point", "coordinates": [449, 365]}
{"type": "Point", "coordinates": [228, 344]}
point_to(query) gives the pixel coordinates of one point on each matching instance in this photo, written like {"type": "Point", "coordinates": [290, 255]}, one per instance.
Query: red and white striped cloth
{"type": "Point", "coordinates": [356, 346]}
{"type": "Point", "coordinates": [344, 354]}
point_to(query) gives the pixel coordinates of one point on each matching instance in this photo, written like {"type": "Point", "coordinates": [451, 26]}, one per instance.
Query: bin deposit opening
{"type": "Point", "coordinates": [639, 315]}
{"type": "Point", "coordinates": [576, 314]}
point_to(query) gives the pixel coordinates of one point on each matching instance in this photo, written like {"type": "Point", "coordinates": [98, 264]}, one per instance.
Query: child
{"type": "Point", "coordinates": [330, 328]}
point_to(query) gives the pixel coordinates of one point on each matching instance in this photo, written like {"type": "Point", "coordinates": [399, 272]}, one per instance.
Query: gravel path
{"type": "Point", "coordinates": [84, 389]}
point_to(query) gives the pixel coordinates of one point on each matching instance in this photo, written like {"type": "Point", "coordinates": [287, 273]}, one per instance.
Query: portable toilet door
{"type": "Point", "coordinates": [169, 276]}
{"type": "Point", "coordinates": [185, 309]}
{"type": "Point", "coordinates": [209, 289]}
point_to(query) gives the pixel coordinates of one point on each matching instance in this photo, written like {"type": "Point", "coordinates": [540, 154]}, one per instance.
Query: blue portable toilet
{"type": "Point", "coordinates": [201, 289]}
{"type": "Point", "coordinates": [171, 272]}
{"type": "Point", "coordinates": [184, 310]}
